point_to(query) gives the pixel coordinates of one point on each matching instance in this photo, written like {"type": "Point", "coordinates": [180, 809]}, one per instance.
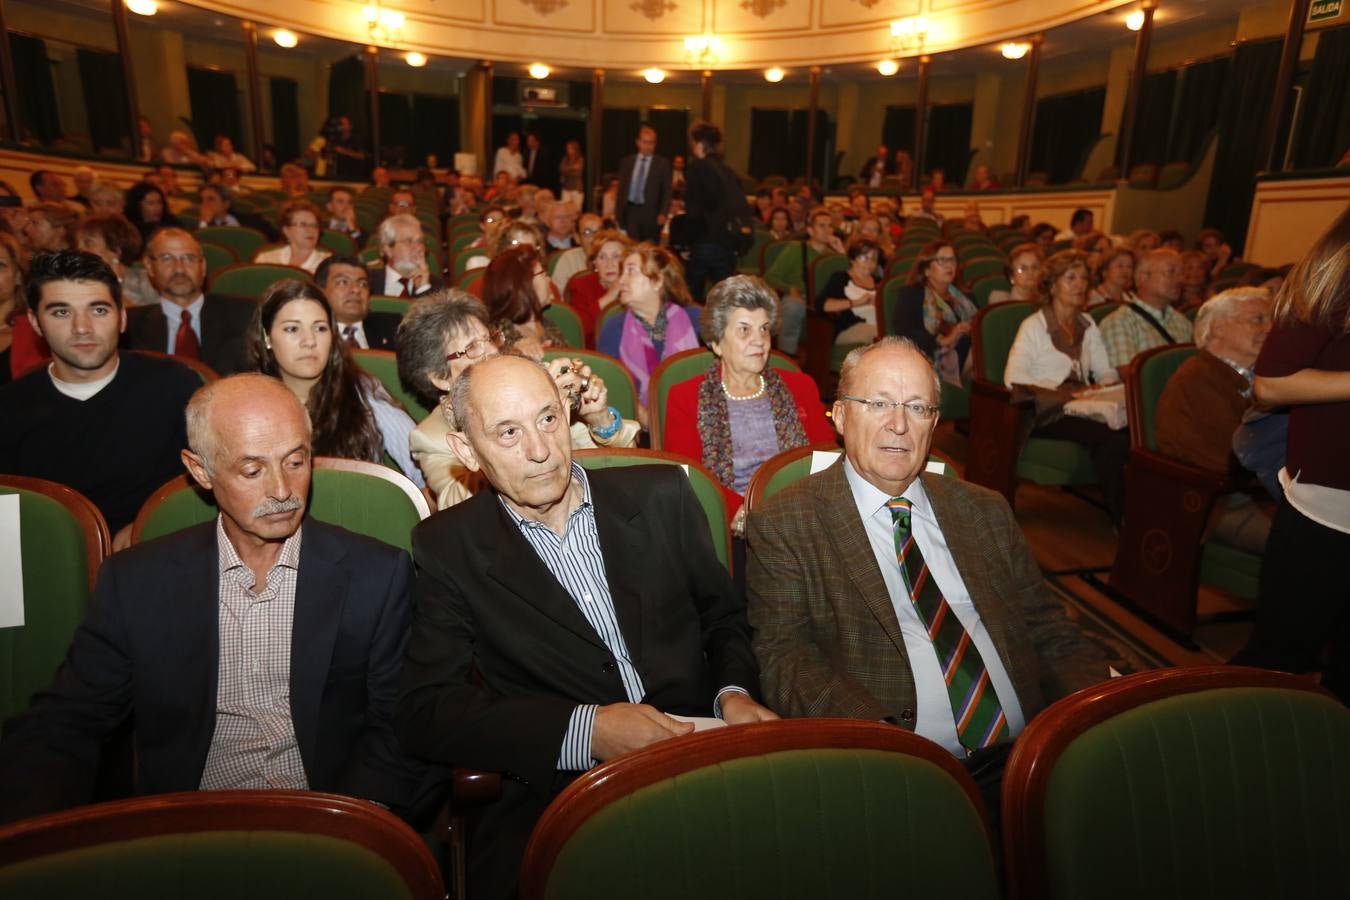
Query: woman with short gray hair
{"type": "Point", "coordinates": [742, 410]}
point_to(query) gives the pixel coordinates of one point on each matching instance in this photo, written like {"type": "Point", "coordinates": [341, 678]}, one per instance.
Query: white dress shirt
{"type": "Point", "coordinates": [933, 718]}
{"type": "Point", "coordinates": [358, 334]}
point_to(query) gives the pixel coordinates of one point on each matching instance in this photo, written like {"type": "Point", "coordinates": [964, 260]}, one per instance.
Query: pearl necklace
{"type": "Point", "coordinates": [763, 385]}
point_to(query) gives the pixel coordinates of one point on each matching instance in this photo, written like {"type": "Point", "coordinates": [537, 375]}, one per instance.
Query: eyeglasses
{"type": "Point", "coordinates": [945, 260]}
{"type": "Point", "coordinates": [492, 220]}
{"type": "Point", "coordinates": [475, 349]}
{"type": "Point", "coordinates": [1033, 267]}
{"type": "Point", "coordinates": [539, 272]}
{"type": "Point", "coordinates": [590, 231]}
{"type": "Point", "coordinates": [914, 408]}
{"type": "Point", "coordinates": [168, 259]}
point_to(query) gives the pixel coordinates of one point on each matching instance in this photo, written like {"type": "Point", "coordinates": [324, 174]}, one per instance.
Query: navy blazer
{"type": "Point", "coordinates": [224, 329]}
{"type": "Point", "coordinates": [149, 649]}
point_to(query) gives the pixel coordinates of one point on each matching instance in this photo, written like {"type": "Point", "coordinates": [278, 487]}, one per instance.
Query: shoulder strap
{"type": "Point", "coordinates": [1157, 326]}
{"type": "Point", "coordinates": [806, 281]}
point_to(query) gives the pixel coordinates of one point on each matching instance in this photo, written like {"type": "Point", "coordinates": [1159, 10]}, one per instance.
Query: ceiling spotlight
{"type": "Point", "coordinates": [539, 70]}
{"type": "Point", "coordinates": [773, 75]}
{"type": "Point", "coordinates": [888, 67]}
{"type": "Point", "coordinates": [415, 59]}
{"type": "Point", "coordinates": [285, 38]}
{"type": "Point", "coordinates": [1015, 49]}
{"type": "Point", "coordinates": [1135, 20]}
{"type": "Point", "coordinates": [654, 76]}
{"type": "Point", "coordinates": [143, 7]}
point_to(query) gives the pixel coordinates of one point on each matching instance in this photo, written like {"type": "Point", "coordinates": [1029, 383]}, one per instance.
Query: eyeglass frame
{"type": "Point", "coordinates": [923, 412]}
{"type": "Point", "coordinates": [493, 339]}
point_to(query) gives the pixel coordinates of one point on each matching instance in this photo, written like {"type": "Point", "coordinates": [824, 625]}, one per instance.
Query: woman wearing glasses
{"type": "Point", "coordinates": [933, 313]}
{"type": "Point", "coordinates": [1024, 274]}
{"type": "Point", "coordinates": [442, 335]}
{"type": "Point", "coordinates": [742, 411]}
{"type": "Point", "coordinates": [292, 338]}
{"type": "Point", "coordinates": [593, 292]}
{"type": "Point", "coordinates": [850, 296]}
{"type": "Point", "coordinates": [300, 228]}
{"type": "Point", "coordinates": [1059, 349]}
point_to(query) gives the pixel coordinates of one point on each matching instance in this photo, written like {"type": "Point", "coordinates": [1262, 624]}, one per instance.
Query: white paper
{"type": "Point", "coordinates": [1105, 405]}
{"type": "Point", "coordinates": [11, 563]}
{"type": "Point", "coordinates": [936, 467]}
{"type": "Point", "coordinates": [701, 723]}
{"type": "Point", "coordinates": [822, 460]}
{"type": "Point", "coordinates": [1114, 673]}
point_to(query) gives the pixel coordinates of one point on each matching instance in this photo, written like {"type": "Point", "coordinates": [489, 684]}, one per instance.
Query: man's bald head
{"type": "Point", "coordinates": [221, 407]}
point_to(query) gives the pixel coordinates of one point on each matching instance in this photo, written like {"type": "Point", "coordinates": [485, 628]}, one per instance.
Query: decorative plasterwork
{"type": "Point", "coordinates": [652, 9]}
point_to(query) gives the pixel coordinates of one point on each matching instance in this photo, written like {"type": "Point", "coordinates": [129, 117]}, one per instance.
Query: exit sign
{"type": "Point", "coordinates": [1321, 10]}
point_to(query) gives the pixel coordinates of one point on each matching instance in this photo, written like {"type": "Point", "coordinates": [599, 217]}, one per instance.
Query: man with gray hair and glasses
{"type": "Point", "coordinates": [880, 590]}
{"type": "Point", "coordinates": [259, 650]}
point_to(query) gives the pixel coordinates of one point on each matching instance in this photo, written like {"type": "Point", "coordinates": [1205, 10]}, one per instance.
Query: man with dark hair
{"type": "Point", "coordinates": [346, 282]}
{"type": "Point", "coordinates": [48, 187]}
{"type": "Point", "coordinates": [644, 189]}
{"type": "Point", "coordinates": [341, 209]}
{"type": "Point", "coordinates": [876, 168]}
{"type": "Point", "coordinates": [714, 204]}
{"type": "Point", "coordinates": [186, 322]}
{"type": "Point", "coordinates": [1080, 223]}
{"type": "Point", "coordinates": [541, 169]}
{"type": "Point", "coordinates": [108, 424]}
{"type": "Point", "coordinates": [259, 650]}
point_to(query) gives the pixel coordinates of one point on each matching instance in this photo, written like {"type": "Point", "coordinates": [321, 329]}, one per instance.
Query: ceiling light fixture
{"type": "Point", "coordinates": [1015, 49]}
{"type": "Point", "coordinates": [1135, 20]}
{"type": "Point", "coordinates": [888, 67]}
{"type": "Point", "coordinates": [284, 38]}
{"type": "Point", "coordinates": [703, 49]}
{"type": "Point", "coordinates": [654, 76]}
{"type": "Point", "coordinates": [143, 7]}
{"type": "Point", "coordinates": [385, 25]}
{"type": "Point", "coordinates": [773, 75]}
{"type": "Point", "coordinates": [539, 71]}
{"type": "Point", "coordinates": [415, 59]}
{"type": "Point", "coordinates": [910, 32]}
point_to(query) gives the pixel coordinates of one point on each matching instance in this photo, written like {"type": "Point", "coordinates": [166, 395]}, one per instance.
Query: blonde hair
{"type": "Point", "coordinates": [1317, 291]}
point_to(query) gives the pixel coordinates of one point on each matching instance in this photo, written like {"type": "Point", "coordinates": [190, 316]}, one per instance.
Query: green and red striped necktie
{"type": "Point", "coordinates": [979, 715]}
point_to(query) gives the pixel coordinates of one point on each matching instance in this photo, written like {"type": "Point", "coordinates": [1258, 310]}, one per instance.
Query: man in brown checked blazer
{"type": "Point", "coordinates": [835, 630]}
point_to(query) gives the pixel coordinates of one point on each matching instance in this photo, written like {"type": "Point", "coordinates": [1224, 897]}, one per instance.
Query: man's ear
{"type": "Point", "coordinates": [463, 449]}
{"type": "Point", "coordinates": [33, 320]}
{"type": "Point", "coordinates": [196, 468]}
{"type": "Point", "coordinates": [837, 415]}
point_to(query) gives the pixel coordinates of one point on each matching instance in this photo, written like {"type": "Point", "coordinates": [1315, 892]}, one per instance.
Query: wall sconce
{"type": "Point", "coordinates": [654, 76]}
{"type": "Point", "coordinates": [143, 7]}
{"type": "Point", "coordinates": [1015, 49]}
{"type": "Point", "coordinates": [1135, 20]}
{"type": "Point", "coordinates": [415, 59]}
{"type": "Point", "coordinates": [703, 50]}
{"type": "Point", "coordinates": [888, 67]}
{"type": "Point", "coordinates": [774, 75]}
{"type": "Point", "coordinates": [539, 71]}
{"type": "Point", "coordinates": [909, 33]}
{"type": "Point", "coordinates": [384, 25]}
{"type": "Point", "coordinates": [284, 38]}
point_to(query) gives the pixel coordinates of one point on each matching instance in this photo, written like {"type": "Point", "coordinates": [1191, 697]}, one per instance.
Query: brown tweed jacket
{"type": "Point", "coordinates": [826, 634]}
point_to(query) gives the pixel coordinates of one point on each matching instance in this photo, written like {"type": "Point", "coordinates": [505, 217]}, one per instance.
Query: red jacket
{"type": "Point", "coordinates": [680, 432]}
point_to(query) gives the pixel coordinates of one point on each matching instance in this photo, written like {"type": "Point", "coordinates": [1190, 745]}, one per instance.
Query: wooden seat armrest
{"type": "Point", "coordinates": [474, 787]}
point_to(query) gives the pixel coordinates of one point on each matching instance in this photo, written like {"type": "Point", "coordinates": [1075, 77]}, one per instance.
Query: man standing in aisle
{"type": "Point", "coordinates": [644, 189]}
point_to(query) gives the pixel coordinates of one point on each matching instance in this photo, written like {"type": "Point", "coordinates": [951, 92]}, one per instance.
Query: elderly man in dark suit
{"type": "Point", "coordinates": [561, 616]}
{"type": "Point", "coordinates": [644, 189]}
{"type": "Point", "coordinates": [879, 591]}
{"type": "Point", "coordinates": [260, 650]}
{"type": "Point", "coordinates": [187, 322]}
{"type": "Point", "coordinates": [346, 282]}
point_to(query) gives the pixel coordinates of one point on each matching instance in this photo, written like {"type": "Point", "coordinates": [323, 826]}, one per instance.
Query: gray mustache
{"type": "Point", "coordinates": [272, 507]}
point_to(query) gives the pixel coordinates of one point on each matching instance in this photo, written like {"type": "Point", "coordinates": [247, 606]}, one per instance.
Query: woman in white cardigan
{"type": "Point", "coordinates": [1060, 348]}
{"type": "Point", "coordinates": [300, 225]}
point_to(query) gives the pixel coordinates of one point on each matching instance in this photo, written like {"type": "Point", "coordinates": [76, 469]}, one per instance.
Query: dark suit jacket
{"type": "Point", "coordinates": [500, 654]}
{"type": "Point", "coordinates": [545, 171]}
{"type": "Point", "coordinates": [381, 330]}
{"type": "Point", "coordinates": [225, 322]}
{"type": "Point", "coordinates": [656, 191]}
{"type": "Point", "coordinates": [149, 649]}
{"type": "Point", "coordinates": [376, 272]}
{"type": "Point", "coordinates": [826, 634]}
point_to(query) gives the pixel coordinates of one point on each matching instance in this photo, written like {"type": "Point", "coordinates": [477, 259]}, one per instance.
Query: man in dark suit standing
{"type": "Point", "coordinates": [835, 559]}
{"type": "Point", "coordinates": [186, 322]}
{"type": "Point", "coordinates": [560, 616]}
{"type": "Point", "coordinates": [644, 189]}
{"type": "Point", "coordinates": [260, 650]}
{"type": "Point", "coordinates": [346, 283]}
{"type": "Point", "coordinates": [541, 167]}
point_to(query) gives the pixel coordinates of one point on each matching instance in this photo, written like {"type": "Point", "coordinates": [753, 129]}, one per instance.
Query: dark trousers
{"type": "Point", "coordinates": [1303, 621]}
{"type": "Point", "coordinates": [708, 264]}
{"type": "Point", "coordinates": [1110, 450]}
{"type": "Point", "coordinates": [639, 223]}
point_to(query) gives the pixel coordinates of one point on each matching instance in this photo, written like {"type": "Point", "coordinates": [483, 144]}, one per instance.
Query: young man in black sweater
{"type": "Point", "coordinates": [108, 424]}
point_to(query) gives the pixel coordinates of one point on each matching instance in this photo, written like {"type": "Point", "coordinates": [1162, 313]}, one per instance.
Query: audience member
{"type": "Point", "coordinates": [294, 180]}
{"type": "Point", "coordinates": [538, 163]}
{"type": "Point", "coordinates": [1043, 235]}
{"type": "Point", "coordinates": [1194, 279]}
{"type": "Point", "coordinates": [299, 222]}
{"type": "Point", "coordinates": [341, 214]}
{"type": "Point", "coordinates": [108, 424]}
{"type": "Point", "coordinates": [937, 180]}
{"type": "Point", "coordinates": [864, 578]}
{"type": "Point", "coordinates": [656, 325]}
{"type": "Point", "coordinates": [1143, 240]}
{"type": "Point", "coordinates": [185, 322]}
{"type": "Point", "coordinates": [346, 283]}
{"type": "Point", "coordinates": [1059, 355]}
{"type": "Point", "coordinates": [1023, 272]}
{"type": "Point", "coordinates": [742, 410]}
{"type": "Point", "coordinates": [350, 159]}
{"type": "Point", "coordinates": [561, 221]}
{"type": "Point", "coordinates": [1217, 252]}
{"type": "Point", "coordinates": [106, 200]}
{"type": "Point", "coordinates": [933, 313]}
{"type": "Point", "coordinates": [117, 242]}
{"type": "Point", "coordinates": [928, 207]}
{"type": "Point", "coordinates": [716, 212]}
{"type": "Point", "coordinates": [1301, 624]}
{"type": "Point", "coordinates": [441, 337]}
{"type": "Point", "coordinates": [1115, 277]}
{"type": "Point", "coordinates": [84, 179]}
{"type": "Point", "coordinates": [591, 293]}
{"type": "Point", "coordinates": [238, 661]}
{"type": "Point", "coordinates": [50, 226]}
{"type": "Point", "coordinates": [508, 159]}
{"type": "Point", "coordinates": [49, 187]}
{"type": "Point", "coordinates": [780, 224]}
{"type": "Point", "coordinates": [490, 682]}
{"type": "Point", "coordinates": [644, 189]}
{"type": "Point", "coordinates": [402, 202]}
{"type": "Point", "coordinates": [572, 176]}
{"type": "Point", "coordinates": [1172, 240]}
{"type": "Point", "coordinates": [145, 141]}
{"type": "Point", "coordinates": [788, 275]}
{"type": "Point", "coordinates": [574, 260]}
{"type": "Point", "coordinates": [148, 209]}
{"type": "Point", "coordinates": [983, 180]}
{"type": "Point", "coordinates": [850, 297]}
{"type": "Point", "coordinates": [1081, 223]}
{"type": "Point", "coordinates": [292, 338]}
{"type": "Point", "coordinates": [214, 209]}
{"type": "Point", "coordinates": [876, 168]}
{"type": "Point", "coordinates": [516, 288]}
{"type": "Point", "coordinates": [182, 151]}
{"type": "Point", "coordinates": [21, 348]}
{"type": "Point", "coordinates": [1205, 400]}
{"type": "Point", "coordinates": [1148, 319]}
{"type": "Point", "coordinates": [904, 169]}
{"type": "Point", "coordinates": [403, 271]}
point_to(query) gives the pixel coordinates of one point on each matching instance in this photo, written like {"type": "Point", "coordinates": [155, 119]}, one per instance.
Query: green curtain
{"type": "Point", "coordinates": [104, 98]}
{"type": "Point", "coordinates": [1156, 95]}
{"type": "Point", "coordinates": [1243, 110]}
{"type": "Point", "coordinates": [1324, 130]}
{"type": "Point", "coordinates": [214, 99]}
{"type": "Point", "coordinates": [1058, 151]}
{"type": "Point", "coordinates": [37, 91]}
{"type": "Point", "coordinates": [1197, 109]}
{"type": "Point", "coordinates": [948, 141]}
{"type": "Point", "coordinates": [347, 93]}
{"type": "Point", "coordinates": [285, 94]}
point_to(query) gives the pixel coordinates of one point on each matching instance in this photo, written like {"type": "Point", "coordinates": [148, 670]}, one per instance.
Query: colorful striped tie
{"type": "Point", "coordinates": [979, 716]}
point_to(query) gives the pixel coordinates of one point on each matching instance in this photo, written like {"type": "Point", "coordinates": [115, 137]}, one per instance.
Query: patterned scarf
{"type": "Point", "coordinates": [637, 349]}
{"type": "Point", "coordinates": [714, 423]}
